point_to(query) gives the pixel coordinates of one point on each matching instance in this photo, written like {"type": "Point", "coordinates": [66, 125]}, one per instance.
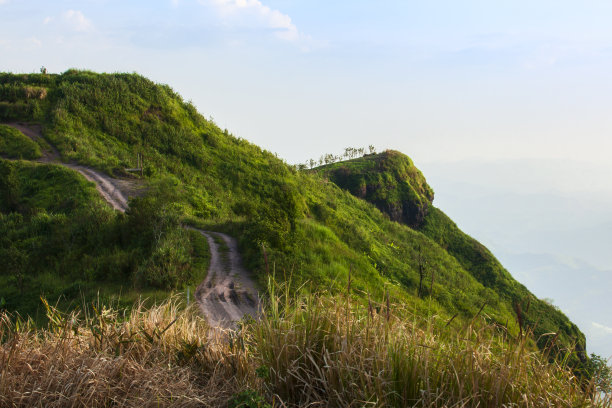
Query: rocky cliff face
{"type": "Point", "coordinates": [388, 180]}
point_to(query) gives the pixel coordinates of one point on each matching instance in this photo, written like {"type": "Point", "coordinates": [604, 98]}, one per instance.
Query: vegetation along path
{"type": "Point", "coordinates": [227, 294]}
{"type": "Point", "coordinates": [108, 187]}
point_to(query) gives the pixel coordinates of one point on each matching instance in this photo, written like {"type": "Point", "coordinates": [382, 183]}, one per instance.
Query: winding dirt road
{"type": "Point", "coordinates": [108, 187]}
{"type": "Point", "coordinates": [227, 294]}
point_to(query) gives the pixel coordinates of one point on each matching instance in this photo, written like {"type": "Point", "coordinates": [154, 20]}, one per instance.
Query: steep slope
{"type": "Point", "coordinates": [114, 191]}
{"type": "Point", "coordinates": [310, 229]}
{"type": "Point", "coordinates": [391, 182]}
{"type": "Point", "coordinates": [59, 239]}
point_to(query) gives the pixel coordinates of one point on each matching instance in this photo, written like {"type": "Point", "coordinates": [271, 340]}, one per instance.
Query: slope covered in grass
{"type": "Point", "coordinates": [388, 180]}
{"type": "Point", "coordinates": [58, 238]}
{"type": "Point", "coordinates": [310, 229]}
{"type": "Point", "coordinates": [391, 182]}
{"type": "Point", "coordinates": [16, 145]}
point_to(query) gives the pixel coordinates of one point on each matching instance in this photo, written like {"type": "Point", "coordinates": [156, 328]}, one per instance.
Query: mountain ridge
{"type": "Point", "coordinates": [305, 223]}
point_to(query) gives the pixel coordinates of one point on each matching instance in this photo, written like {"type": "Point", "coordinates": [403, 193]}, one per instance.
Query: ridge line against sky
{"type": "Point", "coordinates": [439, 82]}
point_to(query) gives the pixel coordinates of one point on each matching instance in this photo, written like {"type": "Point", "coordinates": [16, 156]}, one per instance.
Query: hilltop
{"type": "Point", "coordinates": [388, 180]}
{"type": "Point", "coordinates": [370, 219]}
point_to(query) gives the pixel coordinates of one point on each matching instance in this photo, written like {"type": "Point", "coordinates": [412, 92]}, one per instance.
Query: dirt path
{"type": "Point", "coordinates": [229, 292]}
{"type": "Point", "coordinates": [34, 132]}
{"type": "Point", "coordinates": [106, 186]}
{"type": "Point", "coordinates": [113, 190]}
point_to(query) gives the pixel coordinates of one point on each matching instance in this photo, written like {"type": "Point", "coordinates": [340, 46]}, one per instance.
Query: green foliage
{"type": "Point", "coordinates": [600, 373]}
{"type": "Point", "coordinates": [312, 230]}
{"type": "Point", "coordinates": [59, 238]}
{"type": "Point", "coordinates": [388, 180]}
{"type": "Point", "coordinates": [16, 145]}
{"type": "Point", "coordinates": [248, 399]}
{"type": "Point", "coordinates": [24, 97]}
{"type": "Point", "coordinates": [31, 187]}
{"type": "Point", "coordinates": [539, 316]}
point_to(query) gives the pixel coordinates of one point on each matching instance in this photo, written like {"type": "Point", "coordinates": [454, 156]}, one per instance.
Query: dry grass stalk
{"type": "Point", "coordinates": [311, 362]}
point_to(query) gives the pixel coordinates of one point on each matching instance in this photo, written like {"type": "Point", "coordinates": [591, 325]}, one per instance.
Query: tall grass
{"type": "Point", "coordinates": [313, 354]}
{"type": "Point", "coordinates": [314, 350]}
{"type": "Point", "coordinates": [162, 356]}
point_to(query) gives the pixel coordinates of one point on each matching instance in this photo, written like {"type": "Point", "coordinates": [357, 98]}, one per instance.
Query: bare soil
{"type": "Point", "coordinates": [229, 292]}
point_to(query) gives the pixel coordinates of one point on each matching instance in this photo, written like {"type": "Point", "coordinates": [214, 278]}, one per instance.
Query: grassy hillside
{"type": "Point", "coordinates": [59, 239]}
{"type": "Point", "coordinates": [311, 230]}
{"type": "Point", "coordinates": [388, 180]}
{"type": "Point", "coordinates": [15, 145]}
{"type": "Point", "coordinates": [391, 182]}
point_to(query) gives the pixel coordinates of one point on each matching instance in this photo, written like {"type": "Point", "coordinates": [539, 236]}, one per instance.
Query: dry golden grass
{"type": "Point", "coordinates": [306, 351]}
{"type": "Point", "coordinates": [157, 357]}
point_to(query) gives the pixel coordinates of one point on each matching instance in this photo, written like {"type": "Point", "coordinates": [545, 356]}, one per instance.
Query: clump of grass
{"type": "Point", "coordinates": [16, 145]}
{"type": "Point", "coordinates": [162, 356]}
{"type": "Point", "coordinates": [314, 354]}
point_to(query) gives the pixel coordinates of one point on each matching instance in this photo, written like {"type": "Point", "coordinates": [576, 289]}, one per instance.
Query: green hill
{"type": "Point", "coordinates": [388, 180]}
{"type": "Point", "coordinates": [371, 218]}
{"type": "Point", "coordinates": [15, 145]}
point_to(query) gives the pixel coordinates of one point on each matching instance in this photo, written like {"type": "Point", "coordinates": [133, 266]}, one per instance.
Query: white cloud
{"type": "Point", "coordinates": [602, 327]}
{"type": "Point", "coordinates": [3, 1]}
{"type": "Point", "coordinates": [76, 20]}
{"type": "Point", "coordinates": [254, 13]}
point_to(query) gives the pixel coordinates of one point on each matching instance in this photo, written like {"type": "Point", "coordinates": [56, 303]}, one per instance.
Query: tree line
{"type": "Point", "coordinates": [329, 158]}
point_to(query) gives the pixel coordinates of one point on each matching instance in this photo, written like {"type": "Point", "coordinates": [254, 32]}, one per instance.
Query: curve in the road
{"type": "Point", "coordinates": [108, 187]}
{"type": "Point", "coordinates": [226, 295]}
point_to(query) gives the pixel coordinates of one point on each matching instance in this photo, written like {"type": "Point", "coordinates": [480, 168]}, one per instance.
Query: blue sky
{"type": "Point", "coordinates": [470, 90]}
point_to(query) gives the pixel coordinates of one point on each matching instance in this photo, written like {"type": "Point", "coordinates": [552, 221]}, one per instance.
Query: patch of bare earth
{"type": "Point", "coordinates": [229, 292]}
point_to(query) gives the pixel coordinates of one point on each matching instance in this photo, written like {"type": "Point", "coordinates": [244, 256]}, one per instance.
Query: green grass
{"type": "Point", "coordinates": [313, 230]}
{"type": "Point", "coordinates": [58, 238]}
{"type": "Point", "coordinates": [388, 180]}
{"type": "Point", "coordinates": [16, 145]}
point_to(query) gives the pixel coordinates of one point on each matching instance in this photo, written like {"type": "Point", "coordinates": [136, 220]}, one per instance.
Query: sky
{"type": "Point", "coordinates": [507, 101]}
